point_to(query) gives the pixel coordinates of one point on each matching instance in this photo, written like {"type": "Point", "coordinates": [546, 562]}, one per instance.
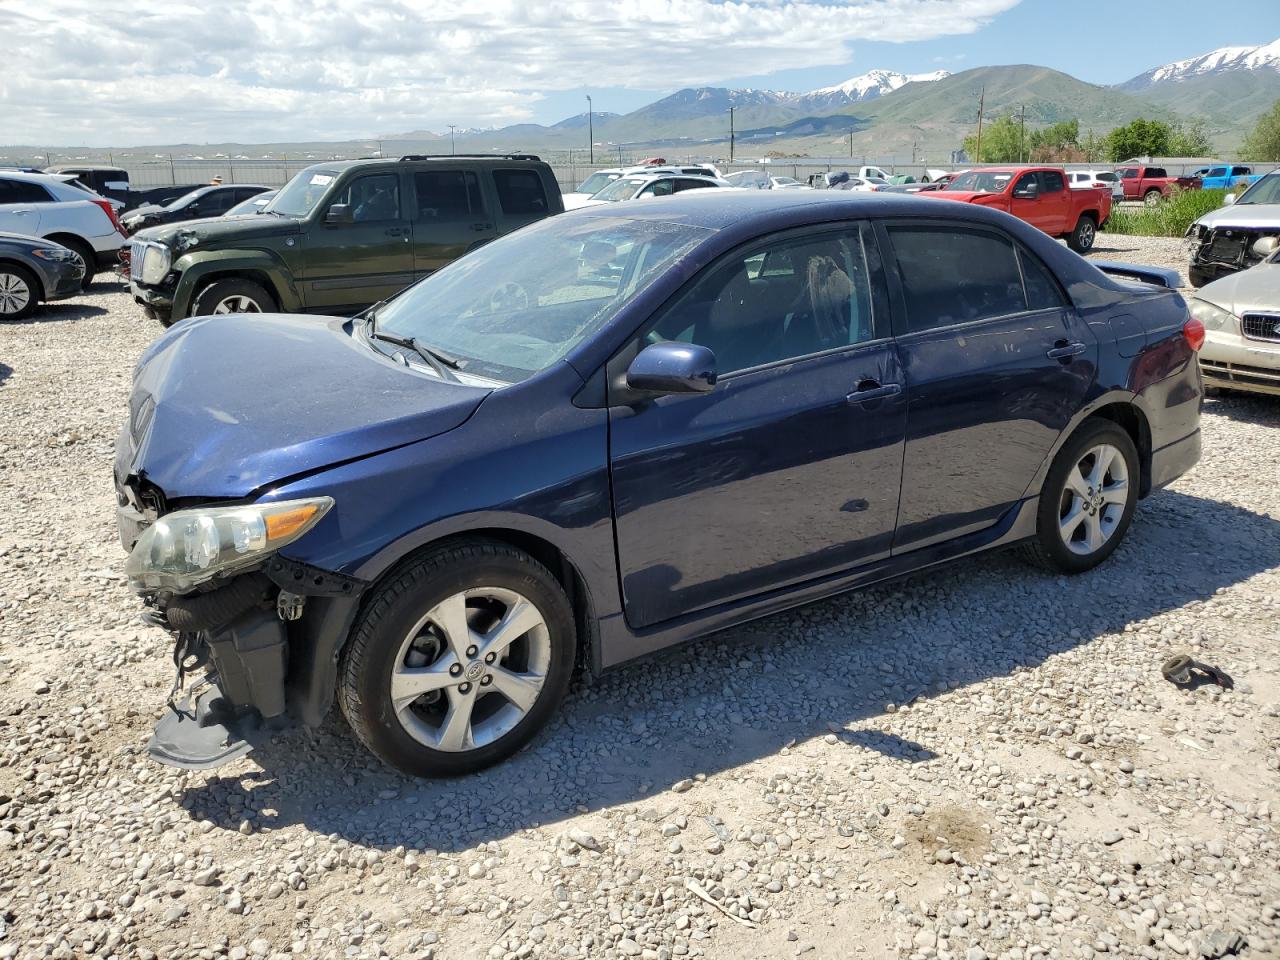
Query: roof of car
{"type": "Point", "coordinates": [61, 167]}
{"type": "Point", "coordinates": [37, 177]}
{"type": "Point", "coordinates": [491, 158]}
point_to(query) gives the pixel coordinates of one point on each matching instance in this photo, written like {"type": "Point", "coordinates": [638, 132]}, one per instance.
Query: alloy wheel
{"type": "Point", "coordinates": [1087, 234]}
{"type": "Point", "coordinates": [1093, 499]}
{"type": "Point", "coordinates": [237, 304]}
{"type": "Point", "coordinates": [15, 294]}
{"type": "Point", "coordinates": [471, 669]}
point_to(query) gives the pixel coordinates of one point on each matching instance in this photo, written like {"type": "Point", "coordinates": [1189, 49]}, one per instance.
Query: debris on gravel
{"type": "Point", "coordinates": [983, 762]}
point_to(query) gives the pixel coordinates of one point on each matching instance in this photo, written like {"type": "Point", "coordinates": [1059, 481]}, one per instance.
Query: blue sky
{"type": "Point", "coordinates": [1040, 32]}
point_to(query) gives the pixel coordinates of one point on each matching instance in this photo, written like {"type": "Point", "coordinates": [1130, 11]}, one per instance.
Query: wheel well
{"type": "Point", "coordinates": [1089, 214]}
{"type": "Point", "coordinates": [63, 239]}
{"type": "Point", "coordinates": [1134, 422]}
{"type": "Point", "coordinates": [254, 276]}
{"type": "Point", "coordinates": [547, 554]}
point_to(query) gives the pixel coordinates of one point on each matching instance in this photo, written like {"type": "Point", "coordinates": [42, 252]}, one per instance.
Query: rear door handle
{"type": "Point", "coordinates": [1064, 350]}
{"type": "Point", "coordinates": [871, 390]}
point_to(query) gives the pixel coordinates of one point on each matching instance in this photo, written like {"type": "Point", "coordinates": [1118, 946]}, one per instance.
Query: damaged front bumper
{"type": "Point", "coordinates": [263, 648]}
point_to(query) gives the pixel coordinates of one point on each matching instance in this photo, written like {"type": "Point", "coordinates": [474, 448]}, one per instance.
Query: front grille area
{"type": "Point", "coordinates": [137, 250]}
{"type": "Point", "coordinates": [1225, 247]}
{"type": "Point", "coordinates": [1261, 326]}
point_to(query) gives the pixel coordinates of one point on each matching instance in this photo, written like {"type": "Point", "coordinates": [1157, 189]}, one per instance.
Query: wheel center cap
{"type": "Point", "coordinates": [474, 669]}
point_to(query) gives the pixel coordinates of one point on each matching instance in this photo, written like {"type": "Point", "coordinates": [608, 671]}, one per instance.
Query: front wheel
{"type": "Point", "coordinates": [1088, 499]}
{"type": "Point", "coordinates": [1084, 235]}
{"type": "Point", "coordinates": [458, 660]}
{"type": "Point", "coordinates": [232, 295]}
{"type": "Point", "coordinates": [19, 292]}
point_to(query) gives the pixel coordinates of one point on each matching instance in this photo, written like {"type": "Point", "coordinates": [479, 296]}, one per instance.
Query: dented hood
{"type": "Point", "coordinates": [225, 406]}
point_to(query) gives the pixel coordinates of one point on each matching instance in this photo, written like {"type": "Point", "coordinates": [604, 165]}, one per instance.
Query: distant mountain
{"type": "Point", "coordinates": [1265, 57]}
{"type": "Point", "coordinates": [1231, 86]}
{"type": "Point", "coordinates": [580, 121]}
{"type": "Point", "coordinates": [869, 86]}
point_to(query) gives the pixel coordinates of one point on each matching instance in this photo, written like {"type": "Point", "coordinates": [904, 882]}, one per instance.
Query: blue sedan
{"type": "Point", "coordinates": [618, 430]}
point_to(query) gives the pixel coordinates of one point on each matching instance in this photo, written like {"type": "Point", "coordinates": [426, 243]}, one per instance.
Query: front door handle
{"type": "Point", "coordinates": [1065, 350]}
{"type": "Point", "coordinates": [481, 226]}
{"type": "Point", "coordinates": [396, 231]}
{"type": "Point", "coordinates": [873, 390]}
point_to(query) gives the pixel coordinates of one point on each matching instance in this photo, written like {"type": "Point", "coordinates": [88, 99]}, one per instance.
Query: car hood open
{"type": "Point", "coordinates": [225, 406]}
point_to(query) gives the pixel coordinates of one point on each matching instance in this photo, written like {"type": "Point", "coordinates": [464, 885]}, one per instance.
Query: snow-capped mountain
{"type": "Point", "coordinates": [1222, 60]}
{"type": "Point", "coordinates": [876, 83]}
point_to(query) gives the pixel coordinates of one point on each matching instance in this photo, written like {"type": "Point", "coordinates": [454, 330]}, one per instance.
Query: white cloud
{"type": "Point", "coordinates": [163, 71]}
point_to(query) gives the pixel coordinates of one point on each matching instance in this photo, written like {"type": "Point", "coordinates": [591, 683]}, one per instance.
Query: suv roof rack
{"type": "Point", "coordinates": [471, 156]}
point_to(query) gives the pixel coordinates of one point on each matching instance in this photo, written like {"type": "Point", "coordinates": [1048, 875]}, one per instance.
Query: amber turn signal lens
{"type": "Point", "coordinates": [281, 525]}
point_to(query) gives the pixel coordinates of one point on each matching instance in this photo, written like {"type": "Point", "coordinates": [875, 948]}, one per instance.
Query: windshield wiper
{"type": "Point", "coordinates": [440, 362]}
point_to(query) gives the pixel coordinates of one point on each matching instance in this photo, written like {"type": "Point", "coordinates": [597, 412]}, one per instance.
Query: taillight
{"type": "Point", "coordinates": [1193, 332]}
{"type": "Point", "coordinates": [110, 211]}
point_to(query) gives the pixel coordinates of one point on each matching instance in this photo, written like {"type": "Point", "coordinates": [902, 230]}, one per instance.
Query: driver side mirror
{"type": "Point", "coordinates": [673, 367]}
{"type": "Point", "coordinates": [1029, 192]}
{"type": "Point", "coordinates": [340, 213]}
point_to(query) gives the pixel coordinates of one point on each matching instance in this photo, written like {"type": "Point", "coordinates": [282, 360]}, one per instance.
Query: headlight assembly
{"type": "Point", "coordinates": [1213, 317]}
{"type": "Point", "coordinates": [56, 254]}
{"type": "Point", "coordinates": [156, 260]}
{"type": "Point", "coordinates": [189, 547]}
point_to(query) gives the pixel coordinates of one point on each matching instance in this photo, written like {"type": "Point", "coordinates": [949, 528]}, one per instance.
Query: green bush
{"type": "Point", "coordinates": [1171, 218]}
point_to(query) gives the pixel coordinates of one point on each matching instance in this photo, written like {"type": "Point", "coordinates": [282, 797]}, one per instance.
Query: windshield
{"type": "Point", "coordinates": [978, 182]}
{"type": "Point", "coordinates": [183, 200]}
{"type": "Point", "coordinates": [1266, 190]}
{"type": "Point", "coordinates": [623, 188]}
{"type": "Point", "coordinates": [300, 195]}
{"type": "Point", "coordinates": [518, 304]}
{"type": "Point", "coordinates": [597, 182]}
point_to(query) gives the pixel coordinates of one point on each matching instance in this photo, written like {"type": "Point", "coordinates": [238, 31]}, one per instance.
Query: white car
{"type": "Point", "coordinates": [55, 207]}
{"type": "Point", "coordinates": [1241, 317]}
{"type": "Point", "coordinates": [1084, 179]}
{"type": "Point", "coordinates": [788, 183]}
{"type": "Point", "coordinates": [643, 186]}
{"type": "Point", "coordinates": [602, 178]}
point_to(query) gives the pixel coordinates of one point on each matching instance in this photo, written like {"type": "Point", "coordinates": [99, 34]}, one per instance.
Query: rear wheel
{"type": "Point", "coordinates": [19, 292]}
{"type": "Point", "coordinates": [458, 660]}
{"type": "Point", "coordinates": [1088, 499]}
{"type": "Point", "coordinates": [1084, 235]}
{"type": "Point", "coordinates": [233, 295]}
{"type": "Point", "coordinates": [1152, 198]}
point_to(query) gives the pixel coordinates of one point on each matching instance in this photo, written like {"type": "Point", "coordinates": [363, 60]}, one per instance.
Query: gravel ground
{"type": "Point", "coordinates": [981, 762]}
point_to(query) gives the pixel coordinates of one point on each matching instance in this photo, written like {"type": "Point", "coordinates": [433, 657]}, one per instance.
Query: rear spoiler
{"type": "Point", "coordinates": [1157, 276]}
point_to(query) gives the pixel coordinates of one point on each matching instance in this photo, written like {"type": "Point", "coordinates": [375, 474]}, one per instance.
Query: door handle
{"type": "Point", "coordinates": [21, 213]}
{"type": "Point", "coordinates": [1065, 350]}
{"type": "Point", "coordinates": [395, 231]}
{"type": "Point", "coordinates": [872, 390]}
{"type": "Point", "coordinates": [481, 226]}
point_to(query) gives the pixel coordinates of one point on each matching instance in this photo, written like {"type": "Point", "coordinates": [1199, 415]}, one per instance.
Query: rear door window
{"type": "Point", "coordinates": [1042, 290]}
{"type": "Point", "coordinates": [953, 275]}
{"type": "Point", "coordinates": [689, 184]}
{"type": "Point", "coordinates": [448, 195]}
{"type": "Point", "coordinates": [22, 191]}
{"type": "Point", "coordinates": [520, 193]}
{"type": "Point", "coordinates": [1050, 181]}
{"type": "Point", "coordinates": [1156, 172]}
{"type": "Point", "coordinates": [1241, 171]}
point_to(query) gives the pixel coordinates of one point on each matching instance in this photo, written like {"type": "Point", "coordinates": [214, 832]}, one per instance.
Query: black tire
{"type": "Point", "coordinates": [1153, 198]}
{"type": "Point", "coordinates": [387, 622]}
{"type": "Point", "coordinates": [233, 289]}
{"type": "Point", "coordinates": [1048, 548]}
{"type": "Point", "coordinates": [13, 280]}
{"type": "Point", "coordinates": [1085, 233]}
{"type": "Point", "coordinates": [1198, 278]}
{"type": "Point", "coordinates": [86, 254]}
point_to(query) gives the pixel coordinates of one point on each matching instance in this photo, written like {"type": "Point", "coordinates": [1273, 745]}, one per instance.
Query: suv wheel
{"type": "Point", "coordinates": [1088, 499]}
{"type": "Point", "coordinates": [458, 660]}
{"type": "Point", "coordinates": [233, 295]}
{"type": "Point", "coordinates": [1083, 236]}
{"type": "Point", "coordinates": [18, 292]}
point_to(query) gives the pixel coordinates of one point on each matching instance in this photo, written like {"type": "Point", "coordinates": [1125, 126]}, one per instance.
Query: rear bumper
{"type": "Point", "coordinates": [1173, 460]}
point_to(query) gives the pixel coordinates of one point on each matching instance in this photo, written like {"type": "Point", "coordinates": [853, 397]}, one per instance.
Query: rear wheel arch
{"type": "Point", "coordinates": [1134, 422]}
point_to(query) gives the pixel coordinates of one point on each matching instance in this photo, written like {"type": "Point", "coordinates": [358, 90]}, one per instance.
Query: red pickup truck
{"type": "Point", "coordinates": [1152, 184]}
{"type": "Point", "coordinates": [1038, 195]}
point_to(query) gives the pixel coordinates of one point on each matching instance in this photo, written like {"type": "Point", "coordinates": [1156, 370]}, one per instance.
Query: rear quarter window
{"type": "Point", "coordinates": [520, 192]}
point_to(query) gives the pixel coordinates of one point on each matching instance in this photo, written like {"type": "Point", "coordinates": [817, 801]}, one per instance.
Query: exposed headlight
{"type": "Point", "coordinates": [156, 260]}
{"type": "Point", "coordinates": [188, 547]}
{"type": "Point", "coordinates": [56, 254]}
{"type": "Point", "coordinates": [1213, 317]}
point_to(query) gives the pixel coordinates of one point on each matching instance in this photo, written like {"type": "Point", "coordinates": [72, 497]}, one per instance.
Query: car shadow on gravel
{"type": "Point", "coordinates": [1256, 408]}
{"type": "Point", "coordinates": [58, 312]}
{"type": "Point", "coordinates": [826, 670]}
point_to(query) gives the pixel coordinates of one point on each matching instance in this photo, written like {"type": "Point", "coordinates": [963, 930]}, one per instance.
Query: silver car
{"type": "Point", "coordinates": [34, 270]}
{"type": "Point", "coordinates": [1241, 317]}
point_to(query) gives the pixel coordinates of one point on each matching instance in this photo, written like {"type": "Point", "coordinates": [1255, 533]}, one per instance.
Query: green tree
{"type": "Point", "coordinates": [1054, 141]}
{"type": "Point", "coordinates": [1000, 142]}
{"type": "Point", "coordinates": [1140, 138]}
{"type": "Point", "coordinates": [1263, 141]}
{"type": "Point", "coordinates": [1189, 139]}
{"type": "Point", "coordinates": [1093, 147]}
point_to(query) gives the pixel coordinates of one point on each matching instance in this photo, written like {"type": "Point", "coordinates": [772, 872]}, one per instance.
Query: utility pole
{"type": "Point", "coordinates": [851, 143]}
{"type": "Point", "coordinates": [453, 147]}
{"type": "Point", "coordinates": [982, 100]}
{"type": "Point", "coordinates": [591, 133]}
{"type": "Point", "coordinates": [731, 134]}
{"type": "Point", "coordinates": [1022, 129]}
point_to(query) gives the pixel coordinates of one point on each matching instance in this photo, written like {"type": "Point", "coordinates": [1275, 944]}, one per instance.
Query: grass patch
{"type": "Point", "coordinates": [1167, 219]}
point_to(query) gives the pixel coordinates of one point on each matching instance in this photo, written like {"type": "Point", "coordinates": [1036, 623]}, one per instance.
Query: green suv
{"type": "Point", "coordinates": [339, 236]}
